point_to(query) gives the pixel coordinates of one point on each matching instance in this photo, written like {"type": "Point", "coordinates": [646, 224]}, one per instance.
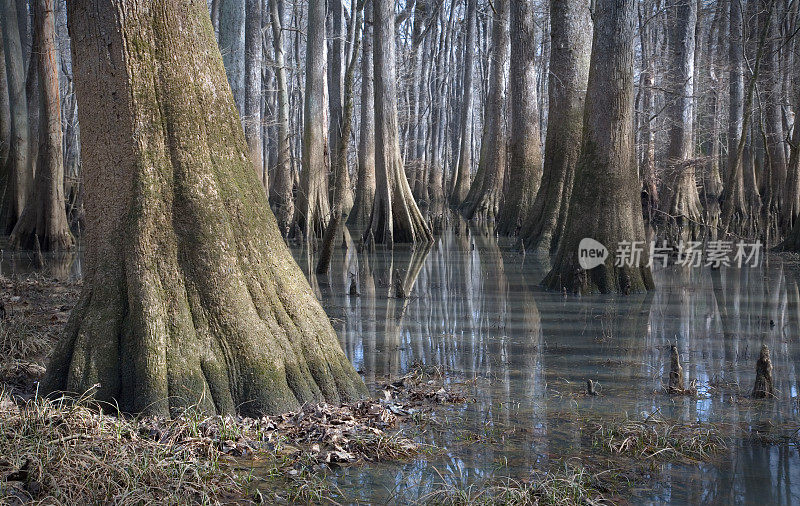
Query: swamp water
{"type": "Point", "coordinates": [474, 310]}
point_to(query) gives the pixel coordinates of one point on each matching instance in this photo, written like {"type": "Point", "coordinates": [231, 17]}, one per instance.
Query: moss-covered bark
{"type": "Point", "coordinates": [605, 203]}
{"type": "Point", "coordinates": [191, 296]}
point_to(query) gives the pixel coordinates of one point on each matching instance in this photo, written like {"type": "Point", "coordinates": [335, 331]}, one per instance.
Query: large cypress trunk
{"type": "Point", "coordinates": [525, 164]}
{"type": "Point", "coordinates": [483, 200]}
{"type": "Point", "coordinates": [395, 216]}
{"type": "Point", "coordinates": [571, 42]}
{"type": "Point", "coordinates": [45, 218]}
{"type": "Point", "coordinates": [190, 294]}
{"type": "Point", "coordinates": [605, 203]}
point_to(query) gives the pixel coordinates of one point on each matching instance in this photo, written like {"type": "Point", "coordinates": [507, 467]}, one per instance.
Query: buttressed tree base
{"type": "Point", "coordinates": [190, 295]}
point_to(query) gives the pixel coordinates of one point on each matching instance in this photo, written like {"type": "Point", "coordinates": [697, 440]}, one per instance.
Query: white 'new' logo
{"type": "Point", "coordinates": [591, 253]}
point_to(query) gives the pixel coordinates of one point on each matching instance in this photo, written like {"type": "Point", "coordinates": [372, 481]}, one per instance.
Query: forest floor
{"type": "Point", "coordinates": [73, 451]}
{"type": "Point", "coordinates": [69, 451]}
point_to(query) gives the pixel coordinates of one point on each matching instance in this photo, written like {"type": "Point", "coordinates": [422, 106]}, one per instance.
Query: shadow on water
{"type": "Point", "coordinates": [475, 308]}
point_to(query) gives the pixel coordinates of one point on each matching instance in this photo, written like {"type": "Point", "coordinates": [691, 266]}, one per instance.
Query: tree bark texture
{"type": "Point", "coordinates": [365, 186]}
{"type": "Point", "coordinates": [18, 174]}
{"type": "Point", "coordinates": [483, 200]}
{"type": "Point", "coordinates": [313, 206]}
{"type": "Point", "coordinates": [461, 179]}
{"type": "Point", "coordinates": [395, 216]}
{"type": "Point", "coordinates": [191, 297]}
{"type": "Point", "coordinates": [605, 203]}
{"type": "Point", "coordinates": [44, 219]}
{"type": "Point", "coordinates": [525, 163]}
{"type": "Point", "coordinates": [571, 43]}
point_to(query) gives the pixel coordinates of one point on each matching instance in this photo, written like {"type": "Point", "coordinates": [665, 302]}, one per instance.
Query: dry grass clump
{"type": "Point", "coordinates": [19, 339]}
{"type": "Point", "coordinates": [565, 484]}
{"type": "Point", "coordinates": [65, 452]}
{"type": "Point", "coordinates": [652, 438]}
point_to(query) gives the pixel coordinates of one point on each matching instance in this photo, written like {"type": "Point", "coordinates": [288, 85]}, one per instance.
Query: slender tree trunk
{"type": "Point", "coordinates": [340, 156]}
{"type": "Point", "coordinates": [525, 165]}
{"type": "Point", "coordinates": [417, 85]}
{"type": "Point", "coordinates": [365, 187]}
{"type": "Point", "coordinates": [252, 93]}
{"type": "Point", "coordinates": [684, 213]}
{"type": "Point", "coordinates": [214, 11]}
{"type": "Point", "coordinates": [712, 185]}
{"type": "Point", "coordinates": [461, 179]}
{"type": "Point", "coordinates": [5, 111]}
{"type": "Point", "coordinates": [395, 216]}
{"type": "Point", "coordinates": [483, 199]}
{"type": "Point", "coordinates": [281, 190]}
{"type": "Point", "coordinates": [190, 296]}
{"type": "Point", "coordinates": [336, 71]}
{"type": "Point", "coordinates": [605, 203]}
{"type": "Point", "coordinates": [571, 42]}
{"type": "Point", "coordinates": [313, 207]}
{"type": "Point", "coordinates": [232, 45]}
{"type": "Point", "coordinates": [792, 198]}
{"type": "Point", "coordinates": [650, 198]}
{"type": "Point", "coordinates": [44, 219]}
{"type": "Point", "coordinates": [19, 171]}
{"type": "Point", "coordinates": [772, 98]}
{"type": "Point", "coordinates": [737, 208]}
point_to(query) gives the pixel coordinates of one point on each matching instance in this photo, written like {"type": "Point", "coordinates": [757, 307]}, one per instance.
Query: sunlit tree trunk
{"type": "Point", "coordinates": [190, 296]}
{"type": "Point", "coordinates": [252, 86]}
{"type": "Point", "coordinates": [336, 71]}
{"type": "Point", "coordinates": [684, 213]}
{"type": "Point", "coordinates": [605, 203]}
{"type": "Point", "coordinates": [483, 200]}
{"type": "Point", "coordinates": [232, 45]}
{"type": "Point", "coordinates": [525, 164]}
{"type": "Point", "coordinates": [312, 212]}
{"type": "Point", "coordinates": [341, 182]}
{"type": "Point", "coordinates": [571, 43]}
{"type": "Point", "coordinates": [44, 218]}
{"type": "Point", "coordinates": [395, 216]}
{"type": "Point", "coordinates": [281, 190]}
{"type": "Point", "coordinates": [461, 179]}
{"type": "Point", "coordinates": [365, 186]}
